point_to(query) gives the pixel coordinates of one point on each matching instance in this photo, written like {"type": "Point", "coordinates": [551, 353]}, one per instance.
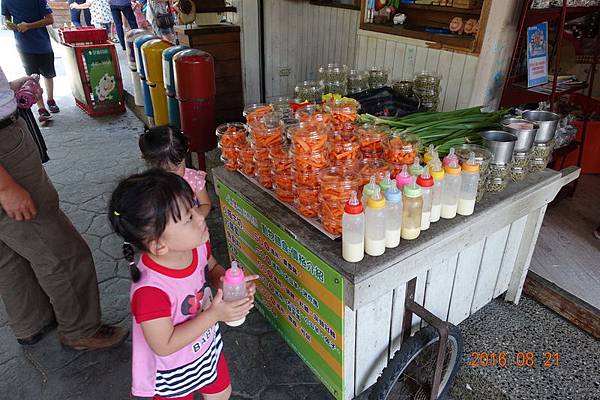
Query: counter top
{"type": "Point", "coordinates": [495, 211]}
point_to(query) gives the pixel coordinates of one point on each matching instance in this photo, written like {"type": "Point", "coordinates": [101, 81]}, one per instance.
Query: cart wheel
{"type": "Point", "coordinates": [409, 373]}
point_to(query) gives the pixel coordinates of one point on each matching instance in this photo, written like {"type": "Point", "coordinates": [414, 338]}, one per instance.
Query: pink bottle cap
{"type": "Point", "coordinates": [403, 178]}
{"type": "Point", "coordinates": [234, 276]}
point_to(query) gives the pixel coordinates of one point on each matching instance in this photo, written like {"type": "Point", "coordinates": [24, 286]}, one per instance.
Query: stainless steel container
{"type": "Point", "coordinates": [501, 144]}
{"type": "Point", "coordinates": [547, 121]}
{"type": "Point", "coordinates": [525, 137]}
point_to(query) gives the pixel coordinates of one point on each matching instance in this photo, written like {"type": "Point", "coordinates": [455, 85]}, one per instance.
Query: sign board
{"type": "Point", "coordinates": [300, 295]}
{"type": "Point", "coordinates": [102, 75]}
{"type": "Point", "coordinates": [537, 54]}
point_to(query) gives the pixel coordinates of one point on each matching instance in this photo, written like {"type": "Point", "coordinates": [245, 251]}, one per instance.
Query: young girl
{"type": "Point", "coordinates": [100, 12]}
{"type": "Point", "coordinates": [176, 340]}
{"type": "Point", "coordinates": [166, 147]}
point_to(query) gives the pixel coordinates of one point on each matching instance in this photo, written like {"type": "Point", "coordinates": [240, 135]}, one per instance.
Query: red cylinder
{"type": "Point", "coordinates": [194, 73]}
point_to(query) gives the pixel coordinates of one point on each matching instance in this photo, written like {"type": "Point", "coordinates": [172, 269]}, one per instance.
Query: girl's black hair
{"type": "Point", "coordinates": [142, 205]}
{"type": "Point", "coordinates": [163, 146]}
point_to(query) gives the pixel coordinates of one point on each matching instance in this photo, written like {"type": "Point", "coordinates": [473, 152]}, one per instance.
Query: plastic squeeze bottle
{"type": "Point", "coordinates": [451, 189]}
{"type": "Point", "coordinates": [451, 156]}
{"type": "Point", "coordinates": [468, 186]}
{"type": "Point", "coordinates": [425, 181]}
{"type": "Point", "coordinates": [386, 183]}
{"type": "Point", "coordinates": [415, 169]}
{"type": "Point", "coordinates": [393, 217]}
{"type": "Point", "coordinates": [234, 288]}
{"type": "Point", "coordinates": [403, 178]}
{"type": "Point", "coordinates": [375, 224]}
{"type": "Point", "coordinates": [437, 173]}
{"type": "Point", "coordinates": [353, 230]}
{"type": "Point", "coordinates": [368, 190]}
{"type": "Point", "coordinates": [412, 209]}
{"type": "Point", "coordinates": [428, 156]}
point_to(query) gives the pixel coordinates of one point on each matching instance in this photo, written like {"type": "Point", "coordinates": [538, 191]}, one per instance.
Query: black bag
{"type": "Point", "coordinates": [385, 102]}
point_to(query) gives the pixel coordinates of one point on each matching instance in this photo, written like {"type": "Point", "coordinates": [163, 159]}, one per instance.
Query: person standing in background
{"type": "Point", "coordinates": [76, 13]}
{"type": "Point", "coordinates": [28, 20]}
{"type": "Point", "coordinates": [118, 8]}
{"type": "Point", "coordinates": [101, 14]}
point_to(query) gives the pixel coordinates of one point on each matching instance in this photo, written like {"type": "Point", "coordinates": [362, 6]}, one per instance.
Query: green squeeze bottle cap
{"type": "Point", "coordinates": [412, 189]}
{"type": "Point", "coordinates": [386, 183]}
{"type": "Point", "coordinates": [415, 169]}
{"type": "Point", "coordinates": [376, 200]}
{"type": "Point", "coordinates": [369, 188]}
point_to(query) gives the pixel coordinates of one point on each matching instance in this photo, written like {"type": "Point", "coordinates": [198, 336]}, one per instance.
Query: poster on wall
{"type": "Point", "coordinates": [299, 294]}
{"type": "Point", "coordinates": [537, 54]}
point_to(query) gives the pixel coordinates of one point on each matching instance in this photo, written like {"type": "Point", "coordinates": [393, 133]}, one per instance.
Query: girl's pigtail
{"type": "Point", "coordinates": [129, 254]}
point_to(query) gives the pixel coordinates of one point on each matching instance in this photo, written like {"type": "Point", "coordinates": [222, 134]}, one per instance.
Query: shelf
{"type": "Point", "coordinates": [563, 151]}
{"type": "Point", "coordinates": [452, 10]}
{"type": "Point", "coordinates": [520, 95]}
{"type": "Point", "coordinates": [462, 41]}
{"type": "Point", "coordinates": [548, 14]}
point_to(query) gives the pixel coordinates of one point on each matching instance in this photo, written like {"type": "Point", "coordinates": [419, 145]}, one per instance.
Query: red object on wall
{"type": "Point", "coordinates": [194, 72]}
{"type": "Point", "coordinates": [590, 162]}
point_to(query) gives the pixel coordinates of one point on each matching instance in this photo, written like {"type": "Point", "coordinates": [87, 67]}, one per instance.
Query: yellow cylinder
{"type": "Point", "coordinates": [153, 68]}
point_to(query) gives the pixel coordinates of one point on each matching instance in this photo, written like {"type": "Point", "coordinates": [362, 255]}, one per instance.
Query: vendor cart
{"type": "Point", "coordinates": [345, 320]}
{"type": "Point", "coordinates": [93, 69]}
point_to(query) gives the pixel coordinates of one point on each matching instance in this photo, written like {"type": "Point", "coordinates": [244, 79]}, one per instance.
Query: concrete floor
{"type": "Point", "coordinates": [90, 155]}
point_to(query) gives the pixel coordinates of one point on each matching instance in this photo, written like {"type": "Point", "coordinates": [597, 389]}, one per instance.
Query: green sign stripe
{"type": "Point", "coordinates": [337, 354]}
{"type": "Point", "coordinates": [327, 314]}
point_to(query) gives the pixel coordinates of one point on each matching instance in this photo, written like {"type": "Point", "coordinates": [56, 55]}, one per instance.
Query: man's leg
{"type": "Point", "coordinates": [26, 304]}
{"type": "Point", "coordinates": [116, 14]}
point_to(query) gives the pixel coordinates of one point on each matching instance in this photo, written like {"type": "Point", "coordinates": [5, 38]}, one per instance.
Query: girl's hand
{"type": "Point", "coordinates": [229, 311]}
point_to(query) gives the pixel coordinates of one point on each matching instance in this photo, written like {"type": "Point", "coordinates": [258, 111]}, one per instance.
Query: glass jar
{"type": "Point", "coordinates": [378, 77]}
{"type": "Point", "coordinates": [309, 162]}
{"type": "Point", "coordinates": [307, 201]}
{"type": "Point", "coordinates": [344, 148]}
{"type": "Point", "coordinates": [519, 166]}
{"type": "Point", "coordinates": [282, 161]}
{"type": "Point", "coordinates": [307, 179]}
{"type": "Point", "coordinates": [368, 167]}
{"type": "Point", "coordinates": [497, 179]}
{"type": "Point", "coordinates": [264, 173]}
{"type": "Point", "coordinates": [428, 99]}
{"type": "Point", "coordinates": [426, 81]}
{"type": "Point", "coordinates": [402, 149]}
{"type": "Point", "coordinates": [333, 73]}
{"type": "Point", "coordinates": [282, 105]}
{"type": "Point", "coordinates": [336, 87]}
{"type": "Point", "coordinates": [308, 138]}
{"type": "Point", "coordinates": [311, 91]}
{"type": "Point", "coordinates": [344, 112]}
{"type": "Point", "coordinates": [246, 158]}
{"type": "Point", "coordinates": [284, 187]}
{"type": "Point", "coordinates": [254, 112]}
{"type": "Point", "coordinates": [314, 114]}
{"type": "Point", "coordinates": [230, 157]}
{"type": "Point", "coordinates": [541, 154]}
{"type": "Point", "coordinates": [358, 81]}
{"type": "Point", "coordinates": [403, 88]}
{"type": "Point", "coordinates": [373, 139]}
{"type": "Point", "coordinates": [268, 132]}
{"type": "Point", "coordinates": [337, 185]}
{"type": "Point", "coordinates": [231, 134]}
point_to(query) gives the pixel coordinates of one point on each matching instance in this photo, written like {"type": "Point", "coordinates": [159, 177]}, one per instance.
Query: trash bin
{"type": "Point", "coordinates": [133, 34]}
{"type": "Point", "coordinates": [137, 44]}
{"type": "Point", "coordinates": [195, 89]}
{"type": "Point", "coordinates": [169, 79]}
{"type": "Point", "coordinates": [153, 70]}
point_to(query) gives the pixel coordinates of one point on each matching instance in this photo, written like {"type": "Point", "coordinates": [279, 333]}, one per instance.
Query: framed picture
{"type": "Point", "coordinates": [351, 4]}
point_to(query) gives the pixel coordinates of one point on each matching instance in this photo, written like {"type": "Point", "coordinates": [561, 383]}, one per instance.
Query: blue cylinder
{"type": "Point", "coordinates": [139, 60]}
{"type": "Point", "coordinates": [169, 80]}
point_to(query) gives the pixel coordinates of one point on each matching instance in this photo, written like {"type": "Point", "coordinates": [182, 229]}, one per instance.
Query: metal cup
{"type": "Point", "coordinates": [501, 144]}
{"type": "Point", "coordinates": [547, 121]}
{"type": "Point", "coordinates": [525, 137]}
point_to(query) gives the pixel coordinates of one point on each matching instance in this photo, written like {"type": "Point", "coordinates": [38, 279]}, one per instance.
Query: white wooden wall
{"type": "Point", "coordinates": [301, 37]}
{"type": "Point", "coordinates": [405, 56]}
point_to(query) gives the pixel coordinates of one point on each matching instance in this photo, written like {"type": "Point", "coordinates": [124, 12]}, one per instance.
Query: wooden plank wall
{"type": "Point", "coordinates": [301, 37]}
{"type": "Point", "coordinates": [404, 57]}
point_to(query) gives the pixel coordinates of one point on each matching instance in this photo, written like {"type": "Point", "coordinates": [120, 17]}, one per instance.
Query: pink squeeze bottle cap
{"type": "Point", "coordinates": [403, 178]}
{"type": "Point", "coordinates": [234, 276]}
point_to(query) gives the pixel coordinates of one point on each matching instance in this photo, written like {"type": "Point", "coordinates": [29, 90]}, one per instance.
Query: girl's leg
{"type": "Point", "coordinates": [75, 16]}
{"type": "Point", "coordinates": [116, 14]}
{"type": "Point", "coordinates": [224, 395]}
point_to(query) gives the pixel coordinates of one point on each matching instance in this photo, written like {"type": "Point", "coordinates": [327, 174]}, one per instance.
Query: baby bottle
{"type": "Point", "coordinates": [451, 189]}
{"type": "Point", "coordinates": [386, 183]}
{"type": "Point", "coordinates": [403, 178]}
{"type": "Point", "coordinates": [468, 187]}
{"type": "Point", "coordinates": [437, 173]}
{"type": "Point", "coordinates": [412, 209]}
{"type": "Point", "coordinates": [428, 156]}
{"type": "Point", "coordinates": [368, 190]}
{"type": "Point", "coordinates": [451, 156]}
{"type": "Point", "coordinates": [415, 169]}
{"type": "Point", "coordinates": [353, 230]}
{"type": "Point", "coordinates": [425, 181]}
{"type": "Point", "coordinates": [234, 288]}
{"type": "Point", "coordinates": [375, 224]}
{"type": "Point", "coordinates": [393, 216]}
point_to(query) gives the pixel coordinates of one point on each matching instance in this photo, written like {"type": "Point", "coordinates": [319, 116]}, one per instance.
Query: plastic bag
{"type": "Point", "coordinates": [385, 102]}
